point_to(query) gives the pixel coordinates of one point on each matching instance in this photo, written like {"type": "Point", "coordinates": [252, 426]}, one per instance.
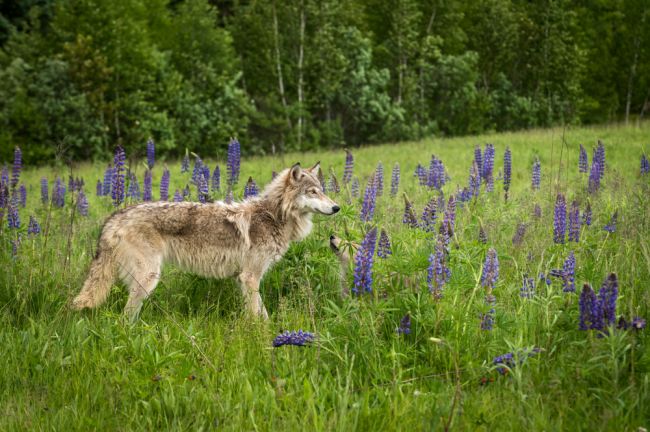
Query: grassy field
{"type": "Point", "coordinates": [195, 361]}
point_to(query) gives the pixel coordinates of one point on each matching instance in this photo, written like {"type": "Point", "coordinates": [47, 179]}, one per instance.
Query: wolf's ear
{"type": "Point", "coordinates": [315, 168]}
{"type": "Point", "coordinates": [295, 172]}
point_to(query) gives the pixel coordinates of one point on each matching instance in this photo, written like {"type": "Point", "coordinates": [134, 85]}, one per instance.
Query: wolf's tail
{"type": "Point", "coordinates": [98, 283]}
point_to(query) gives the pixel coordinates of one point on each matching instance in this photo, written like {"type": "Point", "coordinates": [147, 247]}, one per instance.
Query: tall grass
{"type": "Point", "coordinates": [195, 361]}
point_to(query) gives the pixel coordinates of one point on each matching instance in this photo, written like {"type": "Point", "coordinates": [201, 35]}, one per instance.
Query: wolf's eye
{"type": "Point", "coordinates": [313, 192]}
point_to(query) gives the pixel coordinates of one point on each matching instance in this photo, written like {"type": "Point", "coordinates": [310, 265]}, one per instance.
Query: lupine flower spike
{"type": "Point", "coordinates": [349, 167]}
{"type": "Point", "coordinates": [147, 194]}
{"type": "Point", "coordinates": [250, 190]}
{"type": "Point", "coordinates": [117, 187]}
{"type": "Point", "coordinates": [82, 204]}
{"type": "Point", "coordinates": [611, 226]}
{"type": "Point", "coordinates": [409, 217]}
{"type": "Point", "coordinates": [17, 167]}
{"type": "Point", "coordinates": [369, 200]}
{"type": "Point", "coordinates": [384, 247]}
{"type": "Point", "coordinates": [363, 263]}
{"type": "Point", "coordinates": [45, 188]}
{"type": "Point", "coordinates": [296, 338]}
{"type": "Point", "coordinates": [507, 171]}
{"type": "Point", "coordinates": [537, 174]}
{"type": "Point", "coordinates": [645, 165]}
{"type": "Point", "coordinates": [404, 325]}
{"type": "Point", "coordinates": [394, 181]}
{"type": "Point", "coordinates": [151, 154]}
{"type": "Point", "coordinates": [234, 161]}
{"type": "Point", "coordinates": [582, 160]}
{"type": "Point", "coordinates": [216, 179]}
{"type": "Point", "coordinates": [438, 273]}
{"type": "Point", "coordinates": [591, 317]}
{"type": "Point", "coordinates": [559, 220]}
{"type": "Point", "coordinates": [379, 179]}
{"type": "Point", "coordinates": [164, 185]}
{"type": "Point", "coordinates": [574, 222]}
{"type": "Point", "coordinates": [34, 228]}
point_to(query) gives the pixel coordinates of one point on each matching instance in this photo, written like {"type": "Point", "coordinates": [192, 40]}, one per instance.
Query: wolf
{"type": "Point", "coordinates": [214, 239]}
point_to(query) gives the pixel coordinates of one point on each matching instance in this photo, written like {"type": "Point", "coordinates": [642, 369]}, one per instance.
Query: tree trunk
{"type": "Point", "coordinates": [635, 61]}
{"type": "Point", "coordinates": [278, 65]}
{"type": "Point", "coordinates": [301, 56]}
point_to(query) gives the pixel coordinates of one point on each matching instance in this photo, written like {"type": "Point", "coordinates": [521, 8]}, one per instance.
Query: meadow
{"type": "Point", "coordinates": [392, 357]}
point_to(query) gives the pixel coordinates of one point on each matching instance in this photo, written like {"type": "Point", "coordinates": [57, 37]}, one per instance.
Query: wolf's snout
{"type": "Point", "coordinates": [335, 209]}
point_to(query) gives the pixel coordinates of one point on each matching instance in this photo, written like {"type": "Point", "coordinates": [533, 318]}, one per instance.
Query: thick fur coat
{"type": "Point", "coordinates": [216, 239]}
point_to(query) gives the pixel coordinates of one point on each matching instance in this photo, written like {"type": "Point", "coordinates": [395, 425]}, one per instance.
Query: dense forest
{"type": "Point", "coordinates": [78, 77]}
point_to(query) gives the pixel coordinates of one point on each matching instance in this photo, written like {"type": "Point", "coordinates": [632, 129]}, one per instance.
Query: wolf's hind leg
{"type": "Point", "coordinates": [141, 274]}
{"type": "Point", "coordinates": [250, 286]}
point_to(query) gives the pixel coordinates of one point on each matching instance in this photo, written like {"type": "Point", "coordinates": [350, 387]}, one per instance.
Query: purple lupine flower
{"type": "Point", "coordinates": [118, 177]}
{"type": "Point", "coordinates": [147, 194]}
{"type": "Point", "coordinates": [638, 323]}
{"type": "Point", "coordinates": [34, 228]}
{"type": "Point", "coordinates": [429, 215]}
{"type": "Point", "coordinates": [463, 195]}
{"type": "Point", "coordinates": [58, 194]}
{"type": "Point", "coordinates": [404, 325]}
{"type": "Point", "coordinates": [507, 171]}
{"type": "Point", "coordinates": [583, 163]}
{"type": "Point", "coordinates": [482, 236]}
{"type": "Point", "coordinates": [234, 161]}
{"type": "Point", "coordinates": [607, 296]}
{"type": "Point", "coordinates": [15, 244]}
{"type": "Point", "coordinates": [409, 217]}
{"type": "Point", "coordinates": [591, 316]}
{"type": "Point", "coordinates": [22, 193]}
{"type": "Point", "coordinates": [206, 174]}
{"type": "Point", "coordinates": [108, 180]}
{"type": "Point", "coordinates": [250, 190]}
{"type": "Point", "coordinates": [448, 226]}
{"type": "Point", "coordinates": [178, 197]}
{"type": "Point", "coordinates": [487, 319]}
{"type": "Point", "coordinates": [537, 211]}
{"type": "Point", "coordinates": [600, 155]}
{"type": "Point", "coordinates": [490, 273]}
{"type": "Point", "coordinates": [354, 188]}
{"type": "Point", "coordinates": [384, 247]}
{"type": "Point", "coordinates": [197, 171]}
{"type": "Point", "coordinates": [527, 288]}
{"type": "Point", "coordinates": [474, 179]}
{"type": "Point", "coordinates": [436, 175]}
{"type": "Point", "coordinates": [164, 185]}
{"type": "Point", "coordinates": [537, 174]}
{"type": "Point", "coordinates": [134, 187]}
{"type": "Point", "coordinates": [202, 191]}
{"type": "Point", "coordinates": [13, 217]}
{"type": "Point", "coordinates": [17, 167]}
{"type": "Point", "coordinates": [645, 165]}
{"type": "Point", "coordinates": [611, 226]}
{"type": "Point", "coordinates": [574, 222]}
{"type": "Point", "coordinates": [586, 215]}
{"type": "Point", "coordinates": [151, 155]}
{"type": "Point", "coordinates": [369, 200]}
{"type": "Point", "coordinates": [4, 176]}
{"type": "Point", "coordinates": [394, 181]}
{"type": "Point", "coordinates": [478, 158]}
{"type": "Point", "coordinates": [185, 163]}
{"type": "Point", "coordinates": [567, 273]}
{"type": "Point", "coordinates": [379, 179]}
{"type": "Point", "coordinates": [82, 204]}
{"type": "Point", "coordinates": [216, 179]}
{"type": "Point", "coordinates": [488, 167]}
{"type": "Point", "coordinates": [507, 360]}
{"type": "Point", "coordinates": [333, 184]}
{"type": "Point", "coordinates": [363, 261]}
{"type": "Point", "coordinates": [421, 174]}
{"type": "Point", "coordinates": [45, 189]}
{"type": "Point", "coordinates": [437, 273]}
{"type": "Point", "coordinates": [296, 338]}
{"type": "Point", "coordinates": [349, 167]}
{"type": "Point", "coordinates": [519, 234]}
{"type": "Point", "coordinates": [597, 168]}
{"type": "Point", "coordinates": [229, 198]}
{"type": "Point", "coordinates": [99, 189]}
{"type": "Point", "coordinates": [559, 220]}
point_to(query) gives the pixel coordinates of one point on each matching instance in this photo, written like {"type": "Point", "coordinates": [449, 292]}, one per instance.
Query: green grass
{"type": "Point", "coordinates": [64, 370]}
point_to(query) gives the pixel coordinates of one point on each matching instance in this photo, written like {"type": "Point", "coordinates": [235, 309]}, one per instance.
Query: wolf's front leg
{"type": "Point", "coordinates": [250, 286]}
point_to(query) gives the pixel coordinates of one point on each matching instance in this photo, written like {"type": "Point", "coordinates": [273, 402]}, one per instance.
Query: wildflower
{"type": "Point", "coordinates": [234, 161]}
{"type": "Point", "coordinates": [349, 167]}
{"type": "Point", "coordinates": [185, 163]}
{"type": "Point", "coordinates": [134, 187]}
{"type": "Point", "coordinates": [333, 183]}
{"type": "Point", "coordinates": [519, 234]}
{"type": "Point", "coordinates": [409, 217]}
{"type": "Point", "coordinates": [488, 167]}
{"type": "Point", "coordinates": [13, 217]}
{"type": "Point", "coordinates": [527, 287]}
{"type": "Point", "coordinates": [216, 179]}
{"type": "Point", "coordinates": [582, 160]}
{"type": "Point", "coordinates": [4, 176]}
{"type": "Point", "coordinates": [177, 196]}
{"type": "Point", "coordinates": [429, 215]}
{"type": "Point", "coordinates": [537, 174]}
{"type": "Point", "coordinates": [250, 190]}
{"type": "Point", "coordinates": [645, 165]}
{"type": "Point", "coordinates": [379, 179]}
{"type": "Point", "coordinates": [363, 263]}
{"type": "Point", "coordinates": [507, 171]}
{"type": "Point", "coordinates": [508, 359]}
{"type": "Point", "coordinates": [597, 168]}
{"type": "Point", "coordinates": [478, 159]}
{"type": "Point", "coordinates": [15, 244]}
{"type": "Point", "coordinates": [611, 226]}
{"type": "Point", "coordinates": [607, 296]}
{"type": "Point", "coordinates": [151, 154]}
{"type": "Point", "coordinates": [574, 222]}
{"type": "Point", "coordinates": [22, 192]}
{"type": "Point", "coordinates": [449, 220]}
{"type": "Point", "coordinates": [436, 175]}
{"type": "Point", "coordinates": [394, 181]}
{"type": "Point", "coordinates": [117, 186]}
{"type": "Point", "coordinates": [384, 248]}
{"type": "Point", "coordinates": [197, 172]}
{"type": "Point", "coordinates": [202, 191]}
{"type": "Point", "coordinates": [354, 188]}
{"type": "Point", "coordinates": [638, 323]}
{"type": "Point", "coordinates": [99, 189]}
{"type": "Point", "coordinates": [17, 167]}
{"type": "Point", "coordinates": [590, 312]}
{"type": "Point", "coordinates": [297, 338]}
{"type": "Point", "coordinates": [108, 180]}
{"type": "Point", "coordinates": [487, 319]}
{"type": "Point", "coordinates": [568, 273]}
{"type": "Point", "coordinates": [437, 273]}
{"type": "Point", "coordinates": [58, 194]}
{"type": "Point", "coordinates": [164, 185]}
{"type": "Point", "coordinates": [45, 189]}
{"type": "Point", "coordinates": [474, 179]}
{"type": "Point", "coordinates": [586, 215]}
{"type": "Point", "coordinates": [559, 221]}
{"type": "Point", "coordinates": [490, 273]}
{"type": "Point", "coordinates": [369, 199]}
{"type": "Point", "coordinates": [404, 325]}
{"type": "Point", "coordinates": [147, 194]}
{"type": "Point", "coordinates": [421, 174]}
{"type": "Point", "coordinates": [482, 236]}
{"type": "Point", "coordinates": [33, 228]}
{"type": "Point", "coordinates": [82, 204]}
